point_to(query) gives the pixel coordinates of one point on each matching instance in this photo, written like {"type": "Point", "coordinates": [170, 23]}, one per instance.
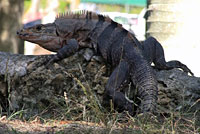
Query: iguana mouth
{"type": "Point", "coordinates": [35, 36]}
{"type": "Point", "coordinates": [21, 34]}
{"type": "Point", "coordinates": [27, 35]}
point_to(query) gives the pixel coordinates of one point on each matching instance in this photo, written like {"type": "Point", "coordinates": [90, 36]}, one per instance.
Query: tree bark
{"type": "Point", "coordinates": [11, 20]}
{"type": "Point", "coordinates": [26, 83]}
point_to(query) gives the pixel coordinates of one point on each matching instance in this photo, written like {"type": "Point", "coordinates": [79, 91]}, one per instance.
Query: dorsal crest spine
{"type": "Point", "coordinates": [87, 15]}
{"type": "Point", "coordinates": [81, 14]}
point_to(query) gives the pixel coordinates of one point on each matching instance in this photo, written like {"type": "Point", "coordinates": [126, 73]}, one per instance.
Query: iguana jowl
{"type": "Point", "coordinates": [130, 59]}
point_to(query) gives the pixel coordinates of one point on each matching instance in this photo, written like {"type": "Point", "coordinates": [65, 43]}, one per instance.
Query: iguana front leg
{"type": "Point", "coordinates": [67, 50]}
{"type": "Point", "coordinates": [154, 52]}
{"type": "Point", "coordinates": [112, 92]}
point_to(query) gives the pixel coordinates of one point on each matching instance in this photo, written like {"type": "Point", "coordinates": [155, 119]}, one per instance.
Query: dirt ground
{"type": "Point", "coordinates": [58, 127]}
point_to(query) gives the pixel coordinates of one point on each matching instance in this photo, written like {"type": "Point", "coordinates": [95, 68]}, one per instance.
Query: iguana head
{"type": "Point", "coordinates": [53, 36]}
{"type": "Point", "coordinates": [44, 35]}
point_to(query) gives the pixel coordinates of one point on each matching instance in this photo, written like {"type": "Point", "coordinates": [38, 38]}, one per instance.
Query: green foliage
{"type": "Point", "coordinates": [120, 8]}
{"type": "Point", "coordinates": [27, 4]}
{"type": "Point", "coordinates": [43, 4]}
{"type": "Point", "coordinates": [16, 114]}
{"type": "Point", "coordinates": [63, 6]}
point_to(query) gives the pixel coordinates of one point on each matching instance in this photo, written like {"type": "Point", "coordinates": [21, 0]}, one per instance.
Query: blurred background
{"type": "Point", "coordinates": [175, 23]}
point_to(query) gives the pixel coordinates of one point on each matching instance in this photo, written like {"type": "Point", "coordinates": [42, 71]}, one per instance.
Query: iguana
{"type": "Point", "coordinates": [130, 60]}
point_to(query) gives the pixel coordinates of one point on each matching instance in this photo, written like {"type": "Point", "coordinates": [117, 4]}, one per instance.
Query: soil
{"type": "Point", "coordinates": [58, 127]}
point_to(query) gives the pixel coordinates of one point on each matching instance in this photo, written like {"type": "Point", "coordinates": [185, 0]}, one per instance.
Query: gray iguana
{"type": "Point", "coordinates": [130, 60]}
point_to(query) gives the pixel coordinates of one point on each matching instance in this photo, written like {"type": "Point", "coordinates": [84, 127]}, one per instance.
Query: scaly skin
{"type": "Point", "coordinates": [130, 59]}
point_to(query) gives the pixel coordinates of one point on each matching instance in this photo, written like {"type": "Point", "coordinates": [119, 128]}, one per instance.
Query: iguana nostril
{"type": "Point", "coordinates": [19, 32]}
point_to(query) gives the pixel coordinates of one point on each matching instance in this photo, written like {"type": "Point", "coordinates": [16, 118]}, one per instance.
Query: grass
{"type": "Point", "coordinates": [82, 106]}
{"type": "Point", "coordinates": [90, 111]}
{"type": "Point", "coordinates": [138, 125]}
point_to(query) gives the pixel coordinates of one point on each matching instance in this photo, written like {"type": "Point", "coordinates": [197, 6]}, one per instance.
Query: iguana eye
{"type": "Point", "coordinates": [39, 27]}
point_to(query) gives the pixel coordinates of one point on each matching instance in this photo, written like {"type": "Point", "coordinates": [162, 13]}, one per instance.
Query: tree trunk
{"type": "Point", "coordinates": [26, 83]}
{"type": "Point", "coordinates": [11, 21]}
{"type": "Point", "coordinates": [175, 24]}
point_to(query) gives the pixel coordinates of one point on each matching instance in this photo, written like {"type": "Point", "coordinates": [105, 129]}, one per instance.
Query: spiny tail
{"type": "Point", "coordinates": [146, 85]}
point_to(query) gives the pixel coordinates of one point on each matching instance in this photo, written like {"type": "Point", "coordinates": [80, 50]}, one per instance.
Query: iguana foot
{"type": "Point", "coordinates": [51, 60]}
{"type": "Point", "coordinates": [186, 69]}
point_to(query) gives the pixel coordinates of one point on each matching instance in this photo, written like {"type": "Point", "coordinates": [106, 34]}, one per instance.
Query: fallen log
{"type": "Point", "coordinates": [26, 83]}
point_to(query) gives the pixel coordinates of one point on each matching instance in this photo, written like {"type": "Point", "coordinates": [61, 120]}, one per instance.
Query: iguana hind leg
{"type": "Point", "coordinates": [116, 80]}
{"type": "Point", "coordinates": [154, 52]}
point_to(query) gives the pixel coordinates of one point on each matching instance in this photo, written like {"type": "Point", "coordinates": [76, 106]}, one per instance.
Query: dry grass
{"type": "Point", "coordinates": [72, 113]}
{"type": "Point", "coordinates": [108, 122]}
{"type": "Point", "coordinates": [88, 116]}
